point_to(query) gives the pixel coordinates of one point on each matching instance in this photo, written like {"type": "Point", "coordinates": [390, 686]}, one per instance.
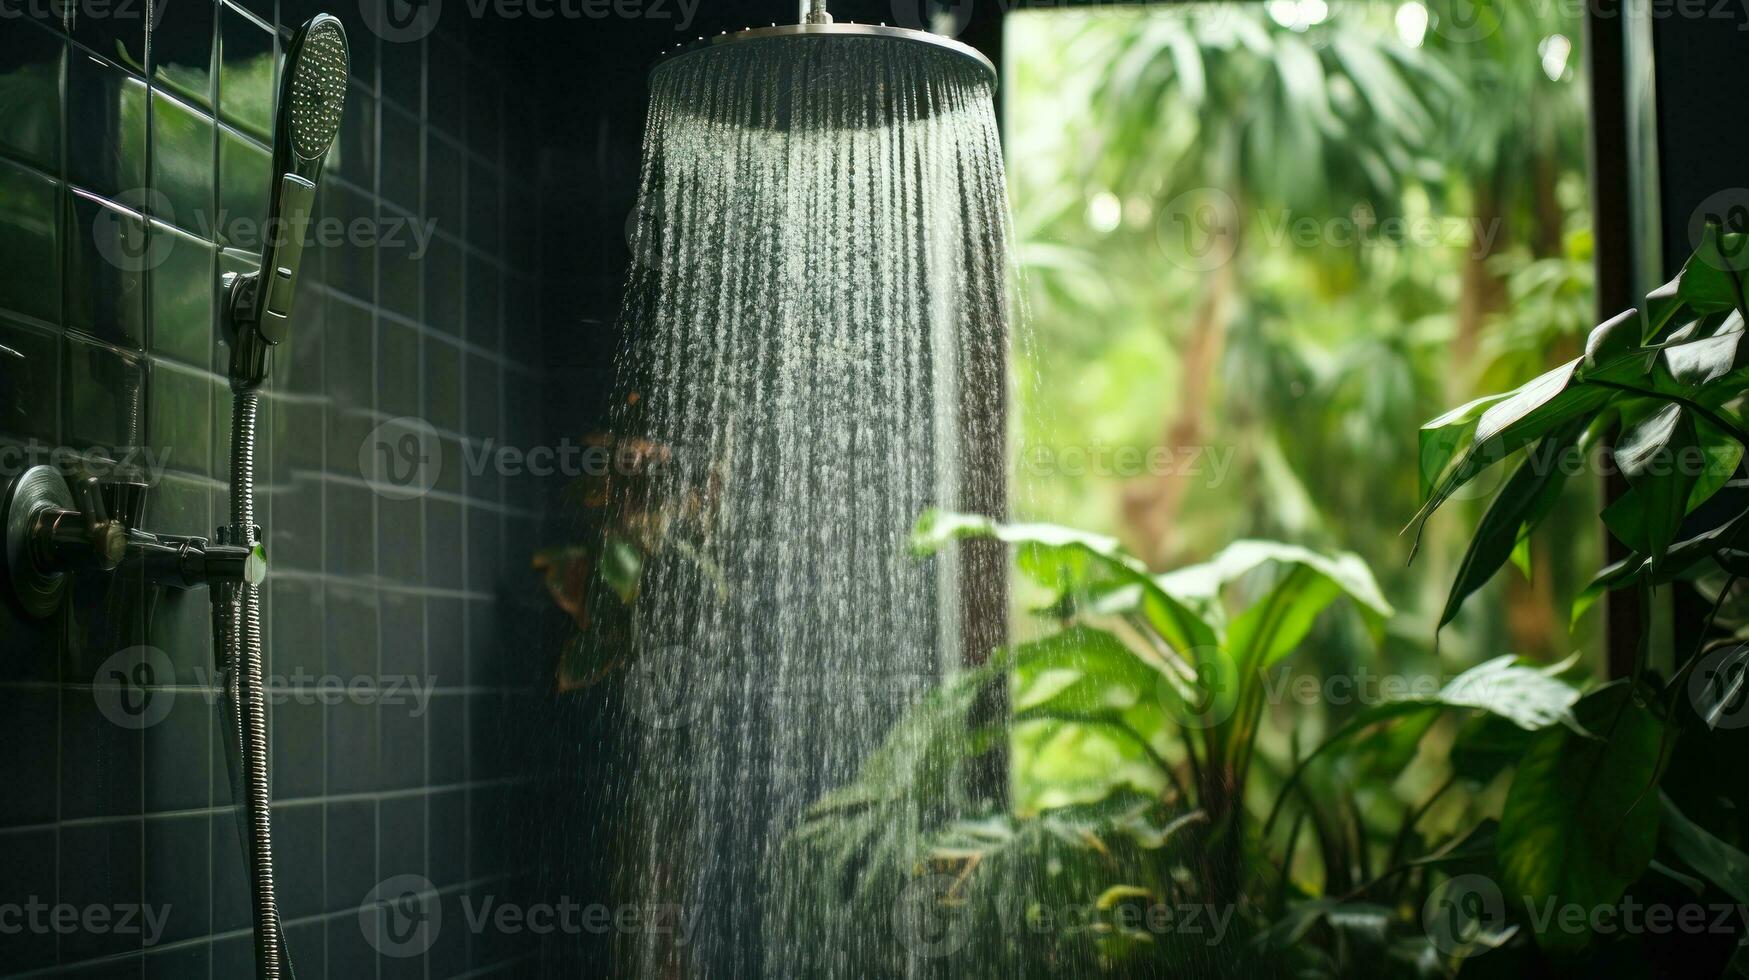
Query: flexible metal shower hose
{"type": "Point", "coordinates": [239, 627]}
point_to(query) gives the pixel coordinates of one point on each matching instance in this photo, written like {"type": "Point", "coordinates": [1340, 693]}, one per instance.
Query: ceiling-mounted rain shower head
{"type": "Point", "coordinates": [828, 32]}
{"type": "Point", "coordinates": [312, 96]}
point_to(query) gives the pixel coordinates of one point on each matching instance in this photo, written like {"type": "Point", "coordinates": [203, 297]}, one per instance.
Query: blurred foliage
{"type": "Point", "coordinates": [1262, 241]}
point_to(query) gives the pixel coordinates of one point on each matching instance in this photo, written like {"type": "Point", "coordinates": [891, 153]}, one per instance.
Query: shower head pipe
{"type": "Point", "coordinates": [828, 29]}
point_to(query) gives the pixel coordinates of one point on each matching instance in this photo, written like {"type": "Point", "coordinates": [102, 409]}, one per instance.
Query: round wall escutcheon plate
{"type": "Point", "coordinates": [40, 488]}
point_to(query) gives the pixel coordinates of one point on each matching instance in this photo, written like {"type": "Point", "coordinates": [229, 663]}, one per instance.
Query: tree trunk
{"type": "Point", "coordinates": [1151, 506]}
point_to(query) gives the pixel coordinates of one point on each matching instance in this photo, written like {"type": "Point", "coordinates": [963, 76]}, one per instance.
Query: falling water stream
{"type": "Point", "coordinates": [816, 327]}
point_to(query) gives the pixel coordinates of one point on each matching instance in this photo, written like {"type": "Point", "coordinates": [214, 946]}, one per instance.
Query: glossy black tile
{"type": "Point", "coordinates": [29, 717]}
{"type": "Point", "coordinates": [349, 255]}
{"type": "Point", "coordinates": [103, 396]}
{"type": "Point", "coordinates": [354, 156]}
{"type": "Point", "coordinates": [351, 856]}
{"type": "Point", "coordinates": [299, 767]}
{"type": "Point", "coordinates": [403, 78]}
{"type": "Point", "coordinates": [443, 539]}
{"type": "Point", "coordinates": [115, 30]}
{"type": "Point", "coordinates": [183, 46]}
{"type": "Point", "coordinates": [443, 267]}
{"type": "Point", "coordinates": [298, 846]}
{"type": "Point", "coordinates": [401, 846]}
{"type": "Point", "coordinates": [29, 382]}
{"type": "Point", "coordinates": [180, 422]}
{"type": "Point", "coordinates": [30, 243]}
{"type": "Point", "coordinates": [178, 752]}
{"type": "Point", "coordinates": [184, 141]}
{"type": "Point", "coordinates": [443, 384]}
{"type": "Point", "coordinates": [401, 158]}
{"type": "Point", "coordinates": [245, 175]}
{"type": "Point", "coordinates": [246, 72]}
{"type": "Point", "coordinates": [182, 297]}
{"type": "Point", "coordinates": [400, 546]}
{"type": "Point", "coordinates": [106, 126]}
{"type": "Point", "coordinates": [229, 881]}
{"type": "Point", "coordinates": [176, 885]}
{"type": "Point", "coordinates": [32, 66]}
{"type": "Point", "coordinates": [446, 80]}
{"type": "Point", "coordinates": [99, 866]}
{"type": "Point", "coordinates": [485, 206]}
{"type": "Point", "coordinates": [27, 865]}
{"type": "Point", "coordinates": [348, 364]}
{"type": "Point", "coordinates": [445, 184]}
{"type": "Point", "coordinates": [485, 304]}
{"type": "Point", "coordinates": [108, 254]}
{"type": "Point", "coordinates": [101, 743]}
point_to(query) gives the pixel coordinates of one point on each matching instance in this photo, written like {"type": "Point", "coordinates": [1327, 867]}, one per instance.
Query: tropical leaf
{"type": "Point", "coordinates": [1656, 455]}
{"type": "Point", "coordinates": [1084, 566]}
{"type": "Point", "coordinates": [1529, 697]}
{"type": "Point", "coordinates": [1715, 860]}
{"type": "Point", "coordinates": [1521, 504]}
{"type": "Point", "coordinates": [1579, 823]}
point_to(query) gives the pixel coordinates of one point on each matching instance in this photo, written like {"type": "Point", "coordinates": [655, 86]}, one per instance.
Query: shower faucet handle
{"type": "Point", "coordinates": [107, 537]}
{"type": "Point", "coordinates": [124, 501]}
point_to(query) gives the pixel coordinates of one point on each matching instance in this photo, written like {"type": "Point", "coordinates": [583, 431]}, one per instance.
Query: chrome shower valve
{"type": "Point", "coordinates": [54, 529]}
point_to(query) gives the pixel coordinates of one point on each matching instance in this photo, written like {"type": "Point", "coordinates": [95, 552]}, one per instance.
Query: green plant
{"type": "Point", "coordinates": [1174, 673]}
{"type": "Point", "coordinates": [1593, 811]}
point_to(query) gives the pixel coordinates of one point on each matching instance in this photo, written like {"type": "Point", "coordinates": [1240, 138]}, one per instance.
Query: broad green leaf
{"type": "Point", "coordinates": [1273, 626]}
{"type": "Point", "coordinates": [1370, 920]}
{"type": "Point", "coordinates": [1078, 562]}
{"type": "Point", "coordinates": [1715, 860]}
{"type": "Point", "coordinates": [1057, 552]}
{"type": "Point", "coordinates": [1441, 438]}
{"type": "Point", "coordinates": [1083, 670]}
{"type": "Point", "coordinates": [1662, 305]}
{"type": "Point", "coordinates": [1683, 556]}
{"type": "Point", "coordinates": [1474, 847]}
{"type": "Point", "coordinates": [1520, 505]}
{"type": "Point", "coordinates": [1531, 412]}
{"type": "Point", "coordinates": [1720, 454]}
{"type": "Point", "coordinates": [1657, 456]}
{"type": "Point", "coordinates": [1529, 697]}
{"type": "Point", "coordinates": [1349, 571]}
{"type": "Point", "coordinates": [1580, 822]}
{"type": "Point", "coordinates": [1486, 746]}
{"type": "Point", "coordinates": [1701, 362]}
{"type": "Point", "coordinates": [1612, 338]}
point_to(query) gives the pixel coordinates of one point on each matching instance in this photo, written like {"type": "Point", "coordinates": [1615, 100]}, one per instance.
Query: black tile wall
{"type": "Point", "coordinates": [134, 171]}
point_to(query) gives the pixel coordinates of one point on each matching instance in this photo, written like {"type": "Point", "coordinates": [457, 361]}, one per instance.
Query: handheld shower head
{"type": "Point", "coordinates": [312, 96]}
